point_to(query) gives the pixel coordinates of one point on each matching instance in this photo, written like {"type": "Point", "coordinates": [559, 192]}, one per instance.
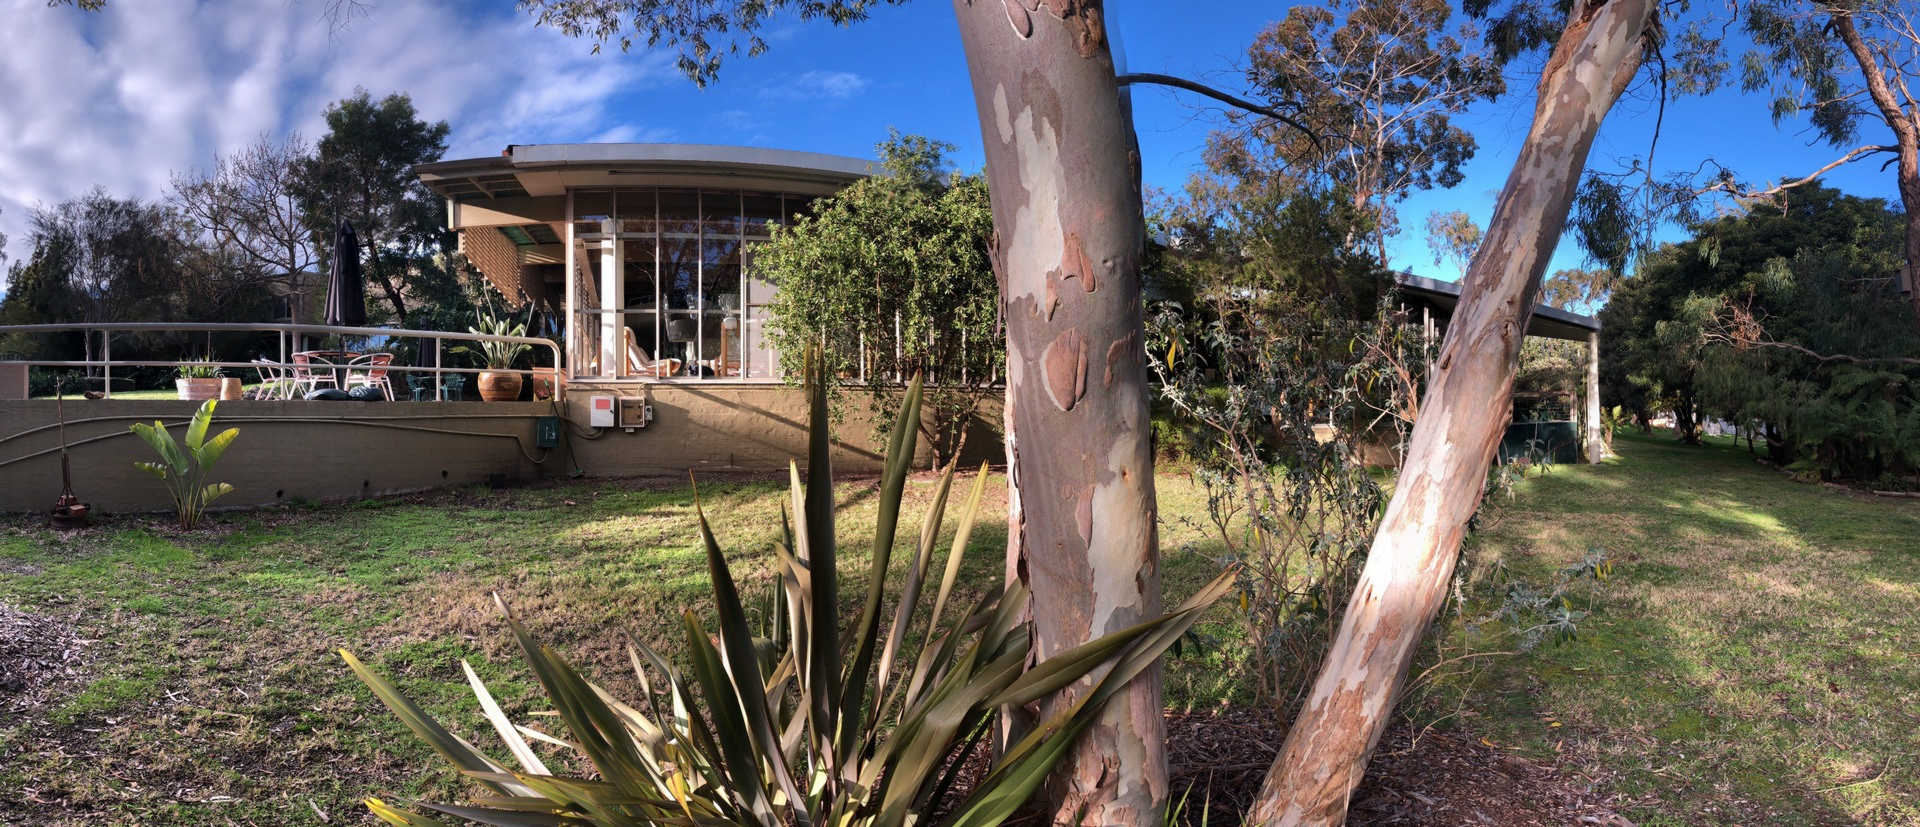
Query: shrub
{"type": "Point", "coordinates": [183, 466]}
{"type": "Point", "coordinates": [793, 725]}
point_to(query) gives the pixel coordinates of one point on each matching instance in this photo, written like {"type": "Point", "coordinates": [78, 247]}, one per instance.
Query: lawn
{"type": "Point", "coordinates": [1745, 662]}
{"type": "Point", "coordinates": [213, 694]}
{"type": "Point", "coordinates": [1750, 661]}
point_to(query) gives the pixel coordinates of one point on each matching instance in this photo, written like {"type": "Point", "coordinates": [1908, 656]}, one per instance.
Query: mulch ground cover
{"type": "Point", "coordinates": [1219, 759]}
{"type": "Point", "coordinates": [37, 654]}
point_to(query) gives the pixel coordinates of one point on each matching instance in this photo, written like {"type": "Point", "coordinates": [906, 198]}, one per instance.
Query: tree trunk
{"type": "Point", "coordinates": [386, 284]}
{"type": "Point", "coordinates": [1067, 247]}
{"type": "Point", "coordinates": [1906, 136]}
{"type": "Point", "coordinates": [1468, 404]}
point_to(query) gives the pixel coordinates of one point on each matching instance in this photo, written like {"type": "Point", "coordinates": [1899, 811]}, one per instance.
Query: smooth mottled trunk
{"type": "Point", "coordinates": [1067, 247]}
{"type": "Point", "coordinates": [1906, 141]}
{"type": "Point", "coordinates": [1468, 404]}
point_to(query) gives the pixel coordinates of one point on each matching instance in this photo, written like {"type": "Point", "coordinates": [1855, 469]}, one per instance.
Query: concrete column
{"type": "Point", "coordinates": [613, 296]}
{"type": "Point", "coordinates": [1596, 438]}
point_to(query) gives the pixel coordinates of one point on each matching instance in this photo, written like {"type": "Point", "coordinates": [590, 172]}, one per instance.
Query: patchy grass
{"type": "Point", "coordinates": [1748, 662]}
{"type": "Point", "coordinates": [212, 691]}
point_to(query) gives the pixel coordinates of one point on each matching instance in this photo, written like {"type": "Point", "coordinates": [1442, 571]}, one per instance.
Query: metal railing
{"type": "Point", "coordinates": [284, 333]}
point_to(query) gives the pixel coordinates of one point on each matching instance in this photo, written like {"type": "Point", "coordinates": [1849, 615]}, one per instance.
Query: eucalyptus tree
{"type": "Point", "coordinates": [1847, 69]}
{"type": "Point", "coordinates": [1453, 238]}
{"type": "Point", "coordinates": [1596, 53]}
{"type": "Point", "coordinates": [1376, 84]}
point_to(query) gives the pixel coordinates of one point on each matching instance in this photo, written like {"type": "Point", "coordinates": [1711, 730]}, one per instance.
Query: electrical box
{"type": "Point", "coordinates": [546, 432]}
{"type": "Point", "coordinates": [634, 412]}
{"type": "Point", "coordinates": [600, 411]}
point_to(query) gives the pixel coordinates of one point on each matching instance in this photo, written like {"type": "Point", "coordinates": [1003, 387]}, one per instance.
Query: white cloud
{"type": "Point", "coordinates": [125, 97]}
{"type": "Point", "coordinates": [819, 84]}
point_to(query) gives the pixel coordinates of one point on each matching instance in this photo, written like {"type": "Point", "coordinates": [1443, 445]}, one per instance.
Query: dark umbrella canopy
{"type": "Point", "coordinates": [346, 288]}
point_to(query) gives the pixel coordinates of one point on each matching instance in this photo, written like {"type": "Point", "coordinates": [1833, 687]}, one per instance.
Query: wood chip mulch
{"type": "Point", "coordinates": [37, 654]}
{"type": "Point", "coordinates": [1438, 779]}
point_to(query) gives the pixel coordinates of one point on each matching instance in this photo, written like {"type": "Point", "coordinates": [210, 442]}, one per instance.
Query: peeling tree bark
{"type": "Point", "coordinates": [1062, 169]}
{"type": "Point", "coordinates": [1467, 407]}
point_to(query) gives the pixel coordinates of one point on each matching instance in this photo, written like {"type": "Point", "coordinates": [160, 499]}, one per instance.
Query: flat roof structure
{"type": "Point", "coordinates": [1443, 296]}
{"type": "Point", "coordinates": [550, 169]}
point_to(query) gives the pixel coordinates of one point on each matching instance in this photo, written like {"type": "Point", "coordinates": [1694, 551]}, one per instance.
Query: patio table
{"type": "Point", "coordinates": [338, 359]}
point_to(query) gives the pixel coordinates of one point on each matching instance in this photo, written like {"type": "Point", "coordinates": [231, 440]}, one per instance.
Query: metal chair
{"type": "Point", "coordinates": [274, 380]}
{"type": "Point", "coordinates": [371, 370]}
{"type": "Point", "coordinates": [311, 373]}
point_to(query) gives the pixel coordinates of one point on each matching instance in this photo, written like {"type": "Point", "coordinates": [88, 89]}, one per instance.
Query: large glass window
{"type": "Point", "coordinates": [686, 289]}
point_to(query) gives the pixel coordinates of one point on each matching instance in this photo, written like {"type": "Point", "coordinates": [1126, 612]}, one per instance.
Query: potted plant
{"type": "Point", "coordinates": [197, 380]}
{"type": "Point", "coordinates": [498, 383]}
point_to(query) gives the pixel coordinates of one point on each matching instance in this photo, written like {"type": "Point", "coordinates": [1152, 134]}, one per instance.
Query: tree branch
{"type": "Point", "coordinates": [1223, 97]}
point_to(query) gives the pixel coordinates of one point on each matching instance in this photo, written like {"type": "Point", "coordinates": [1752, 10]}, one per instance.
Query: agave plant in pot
{"type": "Point", "coordinates": [498, 383]}
{"type": "Point", "coordinates": [197, 380]}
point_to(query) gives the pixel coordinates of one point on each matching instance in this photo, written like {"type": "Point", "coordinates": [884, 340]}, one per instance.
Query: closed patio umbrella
{"type": "Point", "coordinates": [346, 287]}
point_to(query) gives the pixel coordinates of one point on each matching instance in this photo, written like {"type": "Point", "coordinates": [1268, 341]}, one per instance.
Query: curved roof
{"type": "Point", "coordinates": [549, 169]}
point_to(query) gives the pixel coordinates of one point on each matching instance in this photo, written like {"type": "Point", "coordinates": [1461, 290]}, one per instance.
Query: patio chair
{"type": "Point", "coordinates": [640, 364]}
{"type": "Point", "coordinates": [312, 373]}
{"type": "Point", "coordinates": [370, 370]}
{"type": "Point", "coordinates": [275, 382]}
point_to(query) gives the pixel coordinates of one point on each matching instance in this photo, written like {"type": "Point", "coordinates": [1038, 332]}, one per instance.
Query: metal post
{"type": "Point", "coordinates": [439, 381]}
{"type": "Point", "coordinates": [106, 364]}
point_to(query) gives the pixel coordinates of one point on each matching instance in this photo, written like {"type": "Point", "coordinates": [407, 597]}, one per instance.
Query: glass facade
{"type": "Point", "coordinates": [663, 284]}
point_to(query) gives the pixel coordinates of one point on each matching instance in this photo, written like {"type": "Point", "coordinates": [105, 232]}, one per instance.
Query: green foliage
{"type": "Point", "coordinates": [496, 354]}
{"type": "Point", "coordinates": [780, 721]}
{"type": "Point", "coordinates": [183, 465]}
{"type": "Point", "coordinates": [1378, 82]}
{"type": "Point", "coordinates": [893, 276]}
{"type": "Point", "coordinates": [198, 369]}
{"type": "Point", "coordinates": [361, 170]}
{"type": "Point", "coordinates": [1270, 382]}
{"type": "Point", "coordinates": [1782, 320]}
{"type": "Point", "coordinates": [1453, 237]}
{"type": "Point", "coordinates": [698, 29]}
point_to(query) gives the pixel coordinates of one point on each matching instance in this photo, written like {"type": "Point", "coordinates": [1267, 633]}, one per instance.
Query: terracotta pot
{"type": "Point", "coordinates": [499, 387]}
{"type": "Point", "coordinates": [230, 388]}
{"type": "Point", "coordinates": [195, 390]}
{"type": "Point", "coordinates": [543, 385]}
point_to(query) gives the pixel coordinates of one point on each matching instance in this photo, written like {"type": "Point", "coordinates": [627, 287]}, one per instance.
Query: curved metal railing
{"type": "Point", "coordinates": [284, 333]}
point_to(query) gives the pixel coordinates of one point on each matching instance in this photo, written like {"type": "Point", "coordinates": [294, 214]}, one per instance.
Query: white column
{"type": "Point", "coordinates": [1596, 441]}
{"type": "Point", "coordinates": [573, 300]}
{"type": "Point", "coordinates": [613, 296]}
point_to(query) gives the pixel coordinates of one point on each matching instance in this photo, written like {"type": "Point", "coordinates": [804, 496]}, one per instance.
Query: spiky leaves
{"type": "Point", "coordinates": [780, 728]}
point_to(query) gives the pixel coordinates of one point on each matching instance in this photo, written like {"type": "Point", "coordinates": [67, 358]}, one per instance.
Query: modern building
{"type": "Point", "coordinates": [645, 249]}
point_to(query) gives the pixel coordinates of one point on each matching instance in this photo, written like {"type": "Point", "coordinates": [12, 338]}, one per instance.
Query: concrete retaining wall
{"type": "Point", "coordinates": [286, 450]}
{"type": "Point", "coordinates": [324, 451]}
{"type": "Point", "coordinates": [744, 426]}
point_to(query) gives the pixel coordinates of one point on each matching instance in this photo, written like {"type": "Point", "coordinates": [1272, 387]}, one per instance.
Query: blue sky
{"type": "Point", "coordinates": [126, 98]}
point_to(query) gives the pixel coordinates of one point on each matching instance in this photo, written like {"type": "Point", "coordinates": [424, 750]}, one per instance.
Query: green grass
{"type": "Point", "coordinates": [1749, 661]}
{"type": "Point", "coordinates": [214, 694]}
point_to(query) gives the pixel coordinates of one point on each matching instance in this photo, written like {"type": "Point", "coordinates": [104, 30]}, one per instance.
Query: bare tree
{"type": "Point", "coordinates": [246, 205]}
{"type": "Point", "coordinates": [1413, 553]}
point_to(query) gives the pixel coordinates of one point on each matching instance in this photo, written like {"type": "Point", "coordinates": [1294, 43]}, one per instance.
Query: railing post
{"type": "Point", "coordinates": [106, 364]}
{"type": "Point", "coordinates": [439, 381]}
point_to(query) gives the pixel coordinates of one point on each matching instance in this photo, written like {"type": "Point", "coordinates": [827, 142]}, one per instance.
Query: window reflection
{"type": "Point", "coordinates": [688, 288]}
